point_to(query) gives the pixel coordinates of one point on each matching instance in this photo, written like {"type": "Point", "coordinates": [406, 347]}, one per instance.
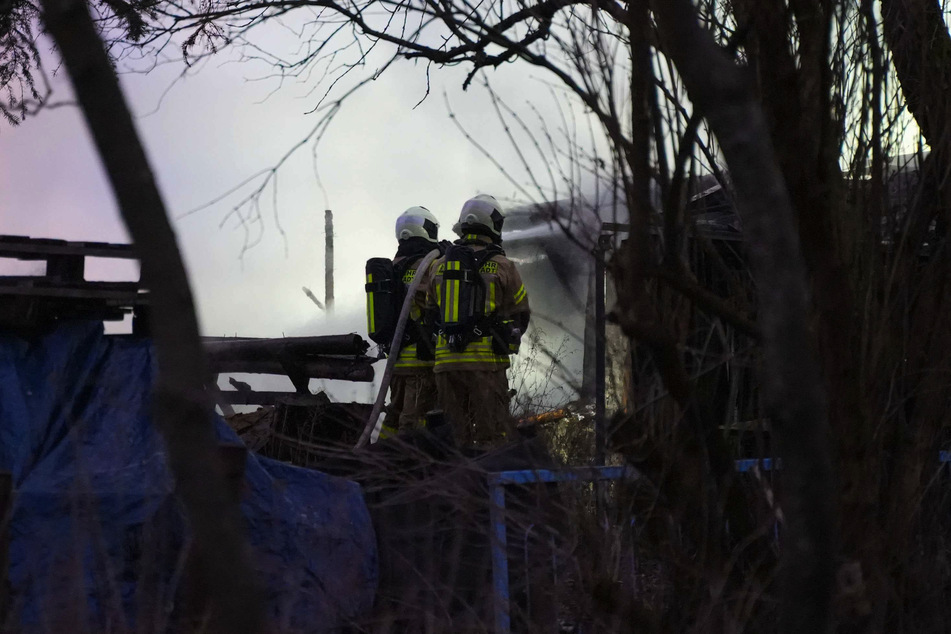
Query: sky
{"type": "Point", "coordinates": [214, 129]}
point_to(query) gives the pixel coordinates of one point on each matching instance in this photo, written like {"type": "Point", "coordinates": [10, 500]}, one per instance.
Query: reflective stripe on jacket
{"type": "Point", "coordinates": [406, 362]}
{"type": "Point", "coordinates": [505, 295]}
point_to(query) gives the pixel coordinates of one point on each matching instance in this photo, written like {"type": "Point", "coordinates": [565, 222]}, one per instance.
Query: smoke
{"type": "Point", "coordinates": [21, 267]}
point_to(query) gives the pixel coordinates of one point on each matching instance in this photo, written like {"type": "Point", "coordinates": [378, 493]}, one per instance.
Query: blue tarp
{"type": "Point", "coordinates": [96, 536]}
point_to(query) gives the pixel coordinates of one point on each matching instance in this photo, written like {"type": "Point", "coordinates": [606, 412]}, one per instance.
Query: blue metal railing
{"type": "Point", "coordinates": [570, 474]}
{"type": "Point", "coordinates": [499, 541]}
{"type": "Point", "coordinates": [497, 537]}
{"type": "Point", "coordinates": [765, 464]}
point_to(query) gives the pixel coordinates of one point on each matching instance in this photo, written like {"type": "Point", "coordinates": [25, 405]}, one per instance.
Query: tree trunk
{"type": "Point", "coordinates": [918, 38]}
{"type": "Point", "coordinates": [806, 137]}
{"type": "Point", "coordinates": [182, 407]}
{"type": "Point", "coordinates": [792, 383]}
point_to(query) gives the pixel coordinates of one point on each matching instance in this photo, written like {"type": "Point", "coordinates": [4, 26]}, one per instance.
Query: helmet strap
{"type": "Point", "coordinates": [480, 230]}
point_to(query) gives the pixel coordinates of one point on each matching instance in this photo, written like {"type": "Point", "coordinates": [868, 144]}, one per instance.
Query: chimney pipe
{"type": "Point", "coordinates": [329, 260]}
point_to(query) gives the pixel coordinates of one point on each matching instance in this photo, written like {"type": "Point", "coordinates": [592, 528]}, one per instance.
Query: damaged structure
{"type": "Point", "coordinates": [92, 530]}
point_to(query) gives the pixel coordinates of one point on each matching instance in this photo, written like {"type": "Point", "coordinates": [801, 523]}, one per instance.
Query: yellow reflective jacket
{"type": "Point", "coordinates": [505, 296]}
{"type": "Point", "coordinates": [406, 362]}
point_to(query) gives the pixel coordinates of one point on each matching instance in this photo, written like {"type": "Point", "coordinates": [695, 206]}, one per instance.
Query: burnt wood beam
{"type": "Point", "coordinates": [358, 370]}
{"type": "Point", "coordinates": [222, 349]}
{"type": "Point", "coordinates": [24, 248]}
{"type": "Point", "coordinates": [235, 397]}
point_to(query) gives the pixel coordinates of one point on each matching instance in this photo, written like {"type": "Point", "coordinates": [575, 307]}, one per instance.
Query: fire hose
{"type": "Point", "coordinates": [374, 420]}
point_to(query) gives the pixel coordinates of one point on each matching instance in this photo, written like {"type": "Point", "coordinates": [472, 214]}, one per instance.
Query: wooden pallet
{"type": "Point", "coordinates": [35, 302]}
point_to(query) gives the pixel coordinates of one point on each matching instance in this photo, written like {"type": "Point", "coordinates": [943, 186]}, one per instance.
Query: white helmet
{"type": "Point", "coordinates": [482, 211]}
{"type": "Point", "coordinates": [417, 222]}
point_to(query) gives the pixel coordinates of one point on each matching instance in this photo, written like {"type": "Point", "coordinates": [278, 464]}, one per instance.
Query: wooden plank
{"type": "Point", "coordinates": [67, 268]}
{"type": "Point", "coordinates": [130, 296]}
{"type": "Point", "coordinates": [63, 292]}
{"type": "Point", "coordinates": [46, 282]}
{"type": "Point", "coordinates": [25, 248]}
{"type": "Point", "coordinates": [248, 349]}
{"type": "Point", "coordinates": [342, 369]}
{"type": "Point", "coordinates": [234, 397]}
{"type": "Point", "coordinates": [31, 312]}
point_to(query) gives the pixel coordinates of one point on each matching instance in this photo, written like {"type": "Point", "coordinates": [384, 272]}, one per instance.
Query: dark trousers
{"type": "Point", "coordinates": [476, 404]}
{"type": "Point", "coordinates": [411, 396]}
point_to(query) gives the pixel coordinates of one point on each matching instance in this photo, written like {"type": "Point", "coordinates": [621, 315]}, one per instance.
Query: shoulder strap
{"type": "Point", "coordinates": [400, 269]}
{"type": "Point", "coordinates": [464, 255]}
{"type": "Point", "coordinates": [487, 254]}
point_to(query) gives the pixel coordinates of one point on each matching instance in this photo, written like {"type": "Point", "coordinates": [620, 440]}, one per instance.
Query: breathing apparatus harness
{"type": "Point", "coordinates": [461, 317]}
{"type": "Point", "coordinates": [386, 289]}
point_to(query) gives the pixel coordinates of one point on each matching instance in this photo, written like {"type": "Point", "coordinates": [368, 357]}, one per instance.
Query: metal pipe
{"type": "Point", "coordinates": [599, 353]}
{"type": "Point", "coordinates": [500, 562]}
{"type": "Point", "coordinates": [329, 260]}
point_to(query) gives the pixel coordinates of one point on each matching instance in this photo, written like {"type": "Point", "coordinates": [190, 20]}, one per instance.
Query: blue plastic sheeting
{"type": "Point", "coordinates": [96, 536]}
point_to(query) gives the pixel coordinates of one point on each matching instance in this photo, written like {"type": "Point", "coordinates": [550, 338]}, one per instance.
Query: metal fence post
{"type": "Point", "coordinates": [500, 562]}
{"type": "Point", "coordinates": [600, 371]}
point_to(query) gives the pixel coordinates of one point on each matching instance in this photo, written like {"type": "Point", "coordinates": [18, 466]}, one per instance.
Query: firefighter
{"type": "Point", "coordinates": [412, 387]}
{"type": "Point", "coordinates": [480, 309]}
